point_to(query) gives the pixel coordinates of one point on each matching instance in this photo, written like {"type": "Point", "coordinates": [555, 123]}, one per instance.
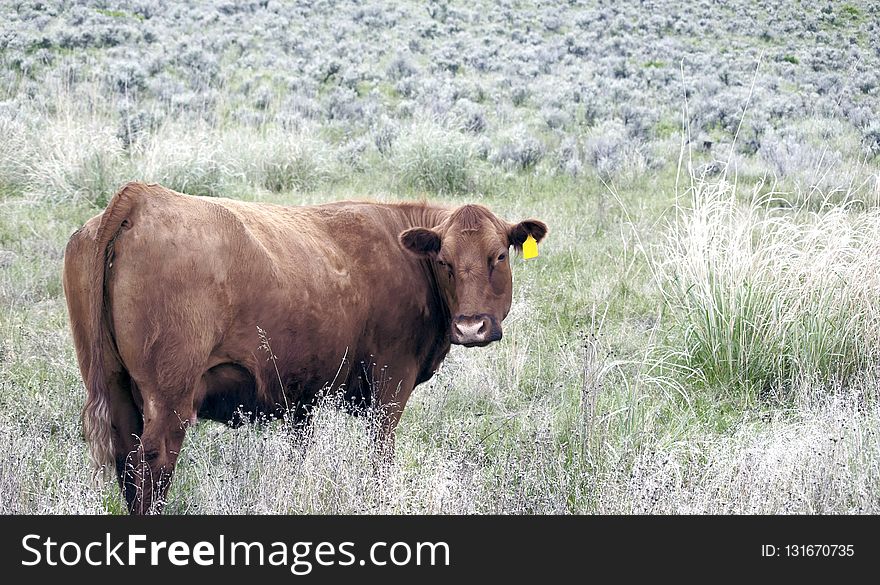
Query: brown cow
{"type": "Point", "coordinates": [166, 292]}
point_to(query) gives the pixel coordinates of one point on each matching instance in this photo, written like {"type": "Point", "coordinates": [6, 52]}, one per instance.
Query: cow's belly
{"type": "Point", "coordinates": [272, 360]}
{"type": "Point", "coordinates": [230, 395]}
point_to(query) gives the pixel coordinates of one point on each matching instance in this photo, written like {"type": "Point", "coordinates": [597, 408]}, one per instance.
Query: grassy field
{"type": "Point", "coordinates": [701, 330]}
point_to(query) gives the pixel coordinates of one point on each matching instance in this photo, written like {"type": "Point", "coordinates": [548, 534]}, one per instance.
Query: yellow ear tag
{"type": "Point", "coordinates": [530, 248]}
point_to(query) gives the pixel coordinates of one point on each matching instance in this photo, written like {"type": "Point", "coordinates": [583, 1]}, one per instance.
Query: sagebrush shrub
{"type": "Point", "coordinates": [613, 153]}
{"type": "Point", "coordinates": [518, 149]}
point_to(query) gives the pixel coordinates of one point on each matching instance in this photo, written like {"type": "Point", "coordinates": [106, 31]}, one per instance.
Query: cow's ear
{"type": "Point", "coordinates": [518, 232]}
{"type": "Point", "coordinates": [421, 241]}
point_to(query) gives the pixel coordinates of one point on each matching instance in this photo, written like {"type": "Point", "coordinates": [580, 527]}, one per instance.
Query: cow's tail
{"type": "Point", "coordinates": [97, 424]}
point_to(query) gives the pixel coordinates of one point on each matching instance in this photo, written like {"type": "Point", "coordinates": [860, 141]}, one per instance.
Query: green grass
{"type": "Point", "coordinates": [118, 14]}
{"type": "Point", "coordinates": [852, 12]}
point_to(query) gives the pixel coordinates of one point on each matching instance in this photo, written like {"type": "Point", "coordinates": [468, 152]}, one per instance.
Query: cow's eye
{"type": "Point", "coordinates": [502, 257]}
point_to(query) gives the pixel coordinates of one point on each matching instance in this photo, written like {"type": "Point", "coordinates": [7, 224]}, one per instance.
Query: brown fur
{"type": "Point", "coordinates": [166, 291]}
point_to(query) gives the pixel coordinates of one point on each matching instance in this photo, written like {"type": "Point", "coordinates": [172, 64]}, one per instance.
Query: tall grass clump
{"type": "Point", "coordinates": [205, 160]}
{"type": "Point", "coordinates": [431, 158]}
{"type": "Point", "coordinates": [766, 296]}
{"type": "Point", "coordinates": [11, 147]}
{"type": "Point", "coordinates": [281, 161]}
{"type": "Point", "coordinates": [189, 159]}
{"type": "Point", "coordinates": [69, 158]}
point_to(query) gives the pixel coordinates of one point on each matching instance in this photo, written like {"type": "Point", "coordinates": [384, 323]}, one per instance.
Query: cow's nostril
{"type": "Point", "coordinates": [470, 329]}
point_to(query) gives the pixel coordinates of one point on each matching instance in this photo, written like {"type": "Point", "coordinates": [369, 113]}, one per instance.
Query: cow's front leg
{"type": "Point", "coordinates": [391, 400]}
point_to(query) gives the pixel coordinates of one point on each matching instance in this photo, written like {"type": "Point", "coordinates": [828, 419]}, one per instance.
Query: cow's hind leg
{"type": "Point", "coordinates": [128, 425]}
{"type": "Point", "coordinates": [166, 418]}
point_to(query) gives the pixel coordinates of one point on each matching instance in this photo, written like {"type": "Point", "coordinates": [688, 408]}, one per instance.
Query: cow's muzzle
{"type": "Point", "coordinates": [475, 330]}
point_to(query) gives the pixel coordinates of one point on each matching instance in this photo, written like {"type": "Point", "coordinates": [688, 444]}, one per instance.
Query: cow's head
{"type": "Point", "coordinates": [470, 249]}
